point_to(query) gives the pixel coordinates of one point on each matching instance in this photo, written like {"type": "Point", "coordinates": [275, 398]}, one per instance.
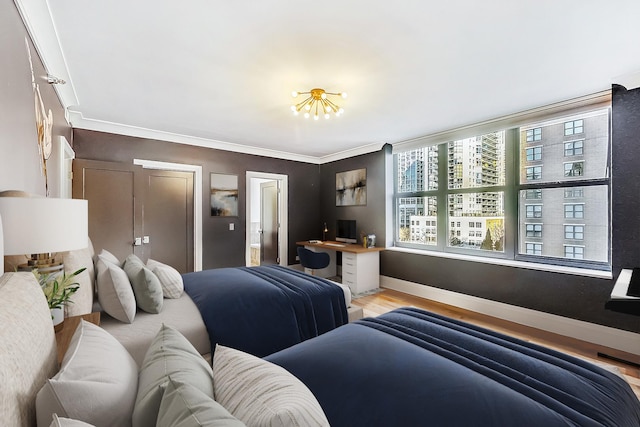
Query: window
{"type": "Point", "coordinates": [575, 211]}
{"type": "Point", "coordinates": [574, 252]}
{"type": "Point", "coordinates": [534, 211]}
{"type": "Point", "coordinates": [534, 230]}
{"type": "Point", "coordinates": [533, 194]}
{"type": "Point", "coordinates": [574, 232]}
{"type": "Point", "coordinates": [534, 153]}
{"type": "Point", "coordinates": [534, 134]}
{"type": "Point", "coordinates": [534, 248]}
{"type": "Point", "coordinates": [573, 127]}
{"type": "Point", "coordinates": [534, 173]}
{"type": "Point", "coordinates": [574, 148]}
{"type": "Point", "coordinates": [573, 193]}
{"type": "Point", "coordinates": [573, 169]}
{"type": "Point", "coordinates": [486, 197]}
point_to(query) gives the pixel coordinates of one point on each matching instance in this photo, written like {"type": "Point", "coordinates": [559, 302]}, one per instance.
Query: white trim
{"type": "Point", "coordinates": [602, 335]}
{"type": "Point", "coordinates": [37, 19]}
{"type": "Point", "coordinates": [66, 153]}
{"type": "Point", "coordinates": [283, 203]}
{"type": "Point", "coordinates": [197, 200]}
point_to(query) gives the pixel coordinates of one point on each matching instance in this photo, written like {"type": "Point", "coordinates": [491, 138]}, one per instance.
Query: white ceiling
{"type": "Point", "coordinates": [220, 73]}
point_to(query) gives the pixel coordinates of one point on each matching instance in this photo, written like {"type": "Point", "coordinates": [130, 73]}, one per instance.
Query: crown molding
{"type": "Point", "coordinates": [39, 24]}
{"type": "Point", "coordinates": [78, 121]}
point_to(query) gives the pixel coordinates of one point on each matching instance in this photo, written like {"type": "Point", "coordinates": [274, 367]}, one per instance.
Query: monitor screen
{"type": "Point", "coordinates": [346, 231]}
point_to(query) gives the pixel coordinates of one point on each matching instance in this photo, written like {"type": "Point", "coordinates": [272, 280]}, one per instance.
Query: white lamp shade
{"type": "Point", "coordinates": [36, 225]}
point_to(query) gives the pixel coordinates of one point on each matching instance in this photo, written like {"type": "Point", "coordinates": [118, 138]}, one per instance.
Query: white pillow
{"type": "Point", "coordinates": [96, 384]}
{"type": "Point", "coordinates": [260, 393]}
{"type": "Point", "coordinates": [183, 405]}
{"type": "Point", "coordinates": [67, 422]}
{"type": "Point", "coordinates": [114, 291]}
{"type": "Point", "coordinates": [108, 256]}
{"type": "Point", "coordinates": [172, 354]}
{"type": "Point", "coordinates": [170, 278]}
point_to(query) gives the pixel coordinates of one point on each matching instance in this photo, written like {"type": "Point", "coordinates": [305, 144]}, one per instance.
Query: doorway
{"type": "Point", "coordinates": [267, 207]}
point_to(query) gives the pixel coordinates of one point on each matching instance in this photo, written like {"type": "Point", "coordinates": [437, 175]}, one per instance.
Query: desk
{"type": "Point", "coordinates": [360, 265]}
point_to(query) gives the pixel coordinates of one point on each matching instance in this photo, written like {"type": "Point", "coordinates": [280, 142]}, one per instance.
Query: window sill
{"type": "Point", "coordinates": [510, 263]}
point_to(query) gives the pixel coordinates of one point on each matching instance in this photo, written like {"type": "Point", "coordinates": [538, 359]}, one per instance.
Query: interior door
{"type": "Point", "coordinates": [115, 211]}
{"type": "Point", "coordinates": [269, 223]}
{"type": "Point", "coordinates": [168, 218]}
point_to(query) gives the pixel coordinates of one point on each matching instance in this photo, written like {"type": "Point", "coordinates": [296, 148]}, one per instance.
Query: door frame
{"type": "Point", "coordinates": [197, 200]}
{"type": "Point", "coordinates": [283, 204]}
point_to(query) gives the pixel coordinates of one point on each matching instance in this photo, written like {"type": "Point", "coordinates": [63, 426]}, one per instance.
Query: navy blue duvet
{"type": "Point", "coordinates": [261, 310]}
{"type": "Point", "coordinates": [414, 368]}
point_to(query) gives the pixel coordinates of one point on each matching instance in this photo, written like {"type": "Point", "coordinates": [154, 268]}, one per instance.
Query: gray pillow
{"type": "Point", "coordinates": [114, 291]}
{"type": "Point", "coordinates": [67, 422]}
{"type": "Point", "coordinates": [183, 405]}
{"type": "Point", "coordinates": [96, 383]}
{"type": "Point", "coordinates": [146, 286]}
{"type": "Point", "coordinates": [262, 394]}
{"type": "Point", "coordinates": [172, 354]}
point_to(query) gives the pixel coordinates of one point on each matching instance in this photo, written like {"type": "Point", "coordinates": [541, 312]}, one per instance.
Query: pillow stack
{"type": "Point", "coordinates": [123, 287]}
{"type": "Point", "coordinates": [99, 385]}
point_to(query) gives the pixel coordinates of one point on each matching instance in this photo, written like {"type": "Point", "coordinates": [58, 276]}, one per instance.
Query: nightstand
{"type": "Point", "coordinates": [63, 337]}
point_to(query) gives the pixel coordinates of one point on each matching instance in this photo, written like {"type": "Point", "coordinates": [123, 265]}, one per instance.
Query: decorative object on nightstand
{"type": "Point", "coordinates": [41, 226]}
{"type": "Point", "coordinates": [58, 288]}
{"type": "Point", "coordinates": [325, 230]}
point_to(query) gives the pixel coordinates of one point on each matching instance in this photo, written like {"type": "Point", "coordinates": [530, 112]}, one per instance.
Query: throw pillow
{"type": "Point", "coordinates": [96, 383]}
{"type": "Point", "coordinates": [67, 422]}
{"type": "Point", "coordinates": [108, 256]}
{"type": "Point", "coordinates": [183, 405]}
{"type": "Point", "coordinates": [146, 286]}
{"type": "Point", "coordinates": [260, 393]}
{"type": "Point", "coordinates": [170, 353]}
{"type": "Point", "coordinates": [114, 291]}
{"type": "Point", "coordinates": [170, 278]}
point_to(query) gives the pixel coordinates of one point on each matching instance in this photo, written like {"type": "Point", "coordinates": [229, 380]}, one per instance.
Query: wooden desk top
{"type": "Point", "coordinates": [63, 337]}
{"type": "Point", "coordinates": [339, 246]}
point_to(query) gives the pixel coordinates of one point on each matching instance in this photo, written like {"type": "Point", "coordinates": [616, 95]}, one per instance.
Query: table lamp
{"type": "Point", "coordinates": [41, 226]}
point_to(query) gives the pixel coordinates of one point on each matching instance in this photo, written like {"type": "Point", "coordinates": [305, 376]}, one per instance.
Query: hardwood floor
{"type": "Point", "coordinates": [387, 300]}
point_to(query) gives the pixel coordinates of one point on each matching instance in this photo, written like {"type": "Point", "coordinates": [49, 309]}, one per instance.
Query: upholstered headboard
{"type": "Point", "coordinates": [29, 354]}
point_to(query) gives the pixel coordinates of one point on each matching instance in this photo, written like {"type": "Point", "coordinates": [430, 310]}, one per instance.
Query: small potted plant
{"type": "Point", "coordinates": [58, 289]}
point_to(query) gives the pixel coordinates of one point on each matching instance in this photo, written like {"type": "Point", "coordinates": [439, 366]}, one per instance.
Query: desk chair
{"type": "Point", "coordinates": [313, 260]}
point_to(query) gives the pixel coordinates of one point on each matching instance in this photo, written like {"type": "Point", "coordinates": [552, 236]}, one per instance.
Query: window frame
{"type": "Point", "coordinates": [513, 127]}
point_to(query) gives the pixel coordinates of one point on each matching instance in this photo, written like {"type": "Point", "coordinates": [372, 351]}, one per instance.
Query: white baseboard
{"type": "Point", "coordinates": [602, 335]}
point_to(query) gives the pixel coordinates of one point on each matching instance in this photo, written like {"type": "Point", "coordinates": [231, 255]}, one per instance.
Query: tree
{"type": "Point", "coordinates": [487, 243]}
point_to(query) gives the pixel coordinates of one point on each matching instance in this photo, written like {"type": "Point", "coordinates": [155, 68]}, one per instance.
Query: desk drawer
{"type": "Point", "coordinates": [349, 256]}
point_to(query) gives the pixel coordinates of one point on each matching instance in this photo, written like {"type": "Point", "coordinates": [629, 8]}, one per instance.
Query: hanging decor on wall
{"type": "Point", "coordinates": [351, 188]}
{"type": "Point", "coordinates": [224, 195]}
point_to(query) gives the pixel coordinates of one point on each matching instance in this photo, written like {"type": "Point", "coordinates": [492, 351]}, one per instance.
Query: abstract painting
{"type": "Point", "coordinates": [224, 195]}
{"type": "Point", "coordinates": [351, 188]}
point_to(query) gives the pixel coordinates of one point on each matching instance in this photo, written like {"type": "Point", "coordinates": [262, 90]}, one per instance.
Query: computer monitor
{"type": "Point", "coordinates": [346, 231]}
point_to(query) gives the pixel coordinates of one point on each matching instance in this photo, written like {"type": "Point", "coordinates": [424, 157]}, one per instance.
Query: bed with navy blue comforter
{"type": "Point", "coordinates": [410, 367]}
{"type": "Point", "coordinates": [261, 310]}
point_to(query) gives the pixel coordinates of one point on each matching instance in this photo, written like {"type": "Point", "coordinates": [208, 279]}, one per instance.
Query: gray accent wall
{"type": "Point", "coordinates": [221, 247]}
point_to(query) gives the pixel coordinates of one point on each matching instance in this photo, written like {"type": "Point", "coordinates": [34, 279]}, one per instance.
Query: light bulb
{"type": "Point", "coordinates": [327, 109]}
{"type": "Point", "coordinates": [306, 115]}
{"type": "Point", "coordinates": [307, 107]}
{"type": "Point", "coordinates": [343, 94]}
{"type": "Point", "coordinates": [323, 96]}
{"type": "Point", "coordinates": [294, 94]}
{"type": "Point", "coordinates": [341, 110]}
{"type": "Point", "coordinates": [327, 115]}
{"type": "Point", "coordinates": [295, 112]}
{"type": "Point", "coordinates": [293, 108]}
{"type": "Point", "coordinates": [315, 117]}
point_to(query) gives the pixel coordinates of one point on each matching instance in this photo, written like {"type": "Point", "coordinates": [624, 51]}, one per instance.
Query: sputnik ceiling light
{"type": "Point", "coordinates": [317, 103]}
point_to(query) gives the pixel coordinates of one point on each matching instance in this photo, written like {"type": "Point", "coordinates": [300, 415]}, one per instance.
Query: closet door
{"type": "Point", "coordinates": [168, 218]}
{"type": "Point", "coordinates": [115, 208]}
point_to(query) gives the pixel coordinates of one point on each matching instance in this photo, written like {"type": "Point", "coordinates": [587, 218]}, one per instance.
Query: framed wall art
{"type": "Point", "coordinates": [224, 195]}
{"type": "Point", "coordinates": [351, 188]}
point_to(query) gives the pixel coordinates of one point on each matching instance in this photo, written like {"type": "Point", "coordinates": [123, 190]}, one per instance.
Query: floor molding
{"type": "Point", "coordinates": [602, 335]}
